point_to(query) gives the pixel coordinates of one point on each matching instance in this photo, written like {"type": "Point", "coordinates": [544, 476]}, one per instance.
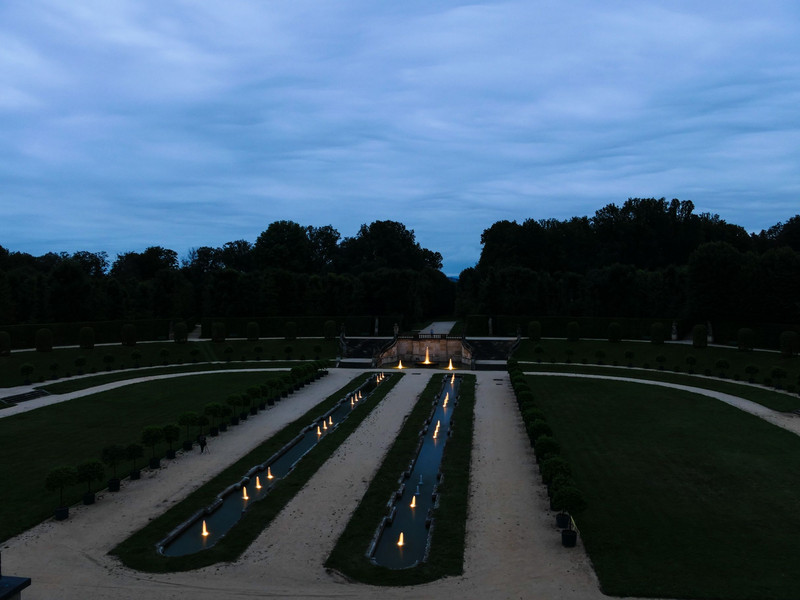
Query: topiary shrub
{"type": "Point", "coordinates": [5, 343]}
{"type": "Point", "coordinates": [573, 331]}
{"type": "Point", "coordinates": [657, 333]}
{"type": "Point", "coordinates": [535, 331]}
{"type": "Point", "coordinates": [218, 332]}
{"type": "Point", "coordinates": [180, 333]}
{"type": "Point", "coordinates": [699, 336]}
{"type": "Point", "coordinates": [554, 466]}
{"type": "Point", "coordinates": [44, 340]}
{"type": "Point", "coordinates": [538, 428]}
{"type": "Point", "coordinates": [614, 332]}
{"type": "Point", "coordinates": [569, 499]}
{"type": "Point", "coordinates": [745, 339]}
{"type": "Point", "coordinates": [253, 331]}
{"type": "Point", "coordinates": [86, 338]}
{"type": "Point", "coordinates": [788, 343]}
{"type": "Point", "coordinates": [545, 448]}
{"type": "Point", "coordinates": [329, 329]}
{"type": "Point", "coordinates": [128, 334]}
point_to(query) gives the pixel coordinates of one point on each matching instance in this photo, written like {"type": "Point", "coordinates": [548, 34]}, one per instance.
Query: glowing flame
{"type": "Point", "coordinates": [244, 493]}
{"type": "Point", "coordinates": [258, 483]}
{"type": "Point", "coordinates": [324, 426]}
{"type": "Point", "coordinates": [400, 542]}
{"type": "Point", "coordinates": [359, 394]}
{"type": "Point", "coordinates": [319, 431]}
{"type": "Point", "coordinates": [269, 473]}
{"type": "Point", "coordinates": [399, 364]}
{"type": "Point", "coordinates": [446, 398]}
{"type": "Point", "coordinates": [450, 367]}
{"type": "Point", "coordinates": [351, 403]}
{"type": "Point", "coordinates": [330, 419]}
{"type": "Point", "coordinates": [205, 529]}
{"type": "Point", "coordinates": [413, 502]}
{"type": "Point", "coordinates": [427, 360]}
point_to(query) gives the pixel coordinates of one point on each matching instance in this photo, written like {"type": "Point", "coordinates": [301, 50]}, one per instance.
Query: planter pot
{"type": "Point", "coordinates": [569, 538]}
{"type": "Point", "coordinates": [187, 445]}
{"type": "Point", "coordinates": [234, 421]}
{"type": "Point", "coordinates": [136, 474]}
{"type": "Point", "coordinates": [223, 427]}
{"type": "Point", "coordinates": [284, 394]}
{"type": "Point", "coordinates": [170, 454]}
{"type": "Point", "coordinates": [88, 498]}
{"type": "Point", "coordinates": [213, 432]}
{"type": "Point", "coordinates": [61, 513]}
{"type": "Point", "coordinates": [155, 463]}
{"type": "Point", "coordinates": [243, 416]}
{"type": "Point", "coordinates": [270, 402]}
{"type": "Point", "coordinates": [262, 405]}
{"type": "Point", "coordinates": [113, 485]}
{"type": "Point", "coordinates": [562, 520]}
{"type": "Point", "coordinates": [253, 411]}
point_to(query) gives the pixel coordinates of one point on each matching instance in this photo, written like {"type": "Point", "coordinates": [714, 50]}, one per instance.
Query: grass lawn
{"type": "Point", "coordinates": [673, 357]}
{"type": "Point", "coordinates": [447, 544]}
{"type": "Point", "coordinates": [139, 550]}
{"type": "Point", "coordinates": [72, 432]}
{"type": "Point", "coordinates": [82, 383]}
{"type": "Point", "coordinates": [688, 497]}
{"type": "Point", "coordinates": [780, 401]}
{"type": "Point", "coordinates": [64, 362]}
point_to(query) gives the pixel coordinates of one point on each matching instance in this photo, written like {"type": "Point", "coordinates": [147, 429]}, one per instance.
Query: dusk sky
{"type": "Point", "coordinates": [128, 124]}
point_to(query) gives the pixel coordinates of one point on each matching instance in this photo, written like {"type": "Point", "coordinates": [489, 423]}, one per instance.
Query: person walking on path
{"type": "Point", "coordinates": [201, 439]}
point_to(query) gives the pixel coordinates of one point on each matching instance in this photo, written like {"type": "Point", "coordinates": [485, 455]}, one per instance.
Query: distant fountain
{"type": "Point", "coordinates": [427, 360]}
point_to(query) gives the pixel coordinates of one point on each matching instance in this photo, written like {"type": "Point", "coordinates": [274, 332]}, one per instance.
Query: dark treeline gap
{"type": "Point", "coordinates": [649, 258]}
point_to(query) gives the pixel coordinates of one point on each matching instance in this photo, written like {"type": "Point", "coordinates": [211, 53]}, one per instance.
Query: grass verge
{"type": "Point", "coordinates": [688, 497]}
{"type": "Point", "coordinates": [139, 550]}
{"type": "Point", "coordinates": [763, 367]}
{"type": "Point", "coordinates": [73, 385]}
{"type": "Point", "coordinates": [66, 362]}
{"type": "Point", "coordinates": [447, 545]}
{"type": "Point", "coordinates": [775, 400]}
{"type": "Point", "coordinates": [68, 433]}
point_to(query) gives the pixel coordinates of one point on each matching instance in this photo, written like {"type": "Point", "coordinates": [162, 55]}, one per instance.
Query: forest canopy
{"type": "Point", "coordinates": [649, 258]}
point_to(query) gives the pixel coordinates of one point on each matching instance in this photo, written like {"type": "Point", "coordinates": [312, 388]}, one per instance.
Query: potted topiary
{"type": "Point", "coordinates": [553, 466]}
{"type": "Point", "coordinates": [58, 479]}
{"type": "Point", "coordinates": [188, 419]}
{"type": "Point", "coordinates": [133, 452]}
{"type": "Point", "coordinates": [88, 472]}
{"type": "Point", "coordinates": [214, 411]}
{"type": "Point", "coordinates": [151, 436]}
{"type": "Point", "coordinates": [568, 499]}
{"type": "Point", "coordinates": [232, 402]}
{"type": "Point", "coordinates": [112, 456]}
{"type": "Point", "coordinates": [227, 411]}
{"type": "Point", "coordinates": [172, 433]}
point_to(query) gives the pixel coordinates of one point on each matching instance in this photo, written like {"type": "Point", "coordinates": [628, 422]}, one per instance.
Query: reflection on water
{"type": "Point", "coordinates": [206, 528]}
{"type": "Point", "coordinates": [414, 506]}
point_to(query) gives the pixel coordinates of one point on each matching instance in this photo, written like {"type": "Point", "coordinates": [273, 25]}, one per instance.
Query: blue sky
{"type": "Point", "coordinates": [127, 124]}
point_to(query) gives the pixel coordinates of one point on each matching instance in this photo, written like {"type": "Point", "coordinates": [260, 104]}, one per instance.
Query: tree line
{"type": "Point", "coordinates": [289, 270]}
{"type": "Point", "coordinates": [646, 258]}
{"type": "Point", "coordinates": [649, 258]}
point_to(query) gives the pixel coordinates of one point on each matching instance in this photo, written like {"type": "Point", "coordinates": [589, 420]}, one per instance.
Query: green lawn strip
{"type": "Point", "coordinates": [687, 497]}
{"type": "Point", "coordinates": [778, 401]}
{"type": "Point", "coordinates": [63, 362]}
{"type": "Point", "coordinates": [139, 550]}
{"type": "Point", "coordinates": [72, 432]}
{"type": "Point", "coordinates": [646, 355]}
{"type": "Point", "coordinates": [447, 545]}
{"type": "Point", "coordinates": [73, 385]}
